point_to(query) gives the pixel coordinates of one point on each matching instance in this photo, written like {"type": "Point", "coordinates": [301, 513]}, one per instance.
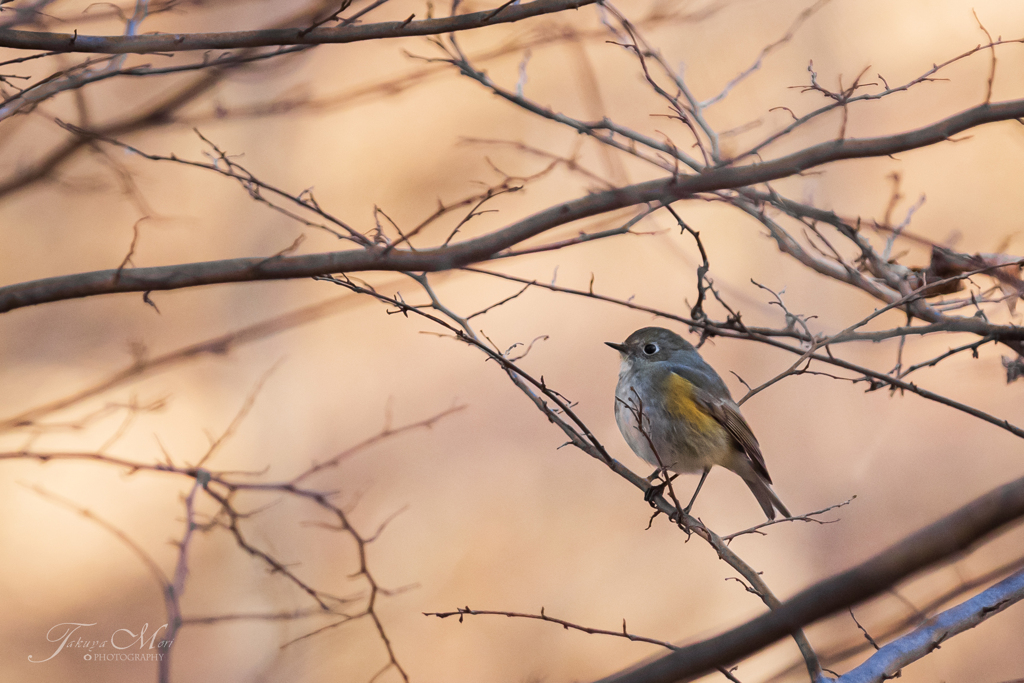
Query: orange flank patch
{"type": "Point", "coordinates": [680, 403]}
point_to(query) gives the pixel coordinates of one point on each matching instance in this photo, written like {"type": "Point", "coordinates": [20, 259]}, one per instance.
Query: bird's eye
{"type": "Point", "coordinates": [651, 349]}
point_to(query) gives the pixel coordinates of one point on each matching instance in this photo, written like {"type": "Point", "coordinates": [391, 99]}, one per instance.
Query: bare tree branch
{"type": "Point", "coordinates": [840, 652]}
{"type": "Point", "coordinates": [935, 543]}
{"type": "Point", "coordinates": [215, 346]}
{"type": "Point", "coordinates": [887, 662]}
{"type": "Point", "coordinates": [481, 248]}
{"type": "Point", "coordinates": [157, 114]}
{"type": "Point", "coordinates": [230, 40]}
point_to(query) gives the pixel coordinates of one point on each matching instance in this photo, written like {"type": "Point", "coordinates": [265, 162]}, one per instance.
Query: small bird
{"type": "Point", "coordinates": [676, 413]}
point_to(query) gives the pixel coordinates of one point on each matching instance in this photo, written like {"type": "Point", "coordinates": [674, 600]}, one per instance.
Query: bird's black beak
{"type": "Point", "coordinates": [621, 348]}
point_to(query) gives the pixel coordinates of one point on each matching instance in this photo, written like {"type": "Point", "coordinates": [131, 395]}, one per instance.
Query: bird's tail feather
{"type": "Point", "coordinates": [768, 499]}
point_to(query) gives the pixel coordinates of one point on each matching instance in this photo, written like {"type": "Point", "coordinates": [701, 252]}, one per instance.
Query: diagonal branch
{"type": "Point", "coordinates": [230, 40]}
{"type": "Point", "coordinates": [887, 662]}
{"type": "Point", "coordinates": [216, 346]}
{"type": "Point", "coordinates": [158, 114]}
{"type": "Point", "coordinates": [951, 535]}
{"type": "Point", "coordinates": [481, 248]}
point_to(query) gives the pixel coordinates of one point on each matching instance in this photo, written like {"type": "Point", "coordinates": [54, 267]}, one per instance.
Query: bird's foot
{"type": "Point", "coordinates": [660, 476]}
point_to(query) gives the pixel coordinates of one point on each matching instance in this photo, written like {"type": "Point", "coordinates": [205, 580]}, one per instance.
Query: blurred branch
{"type": "Point", "coordinates": [76, 76]}
{"type": "Point", "coordinates": [385, 433]}
{"type": "Point", "coordinates": [216, 346]}
{"type": "Point", "coordinates": [951, 535]}
{"type": "Point", "coordinates": [841, 652]}
{"type": "Point", "coordinates": [157, 114]}
{"type": "Point", "coordinates": [481, 248]}
{"type": "Point", "coordinates": [26, 14]}
{"type": "Point", "coordinates": [171, 589]}
{"type": "Point", "coordinates": [31, 14]}
{"type": "Point", "coordinates": [230, 40]}
{"type": "Point", "coordinates": [177, 586]}
{"type": "Point", "coordinates": [806, 14]}
{"type": "Point", "coordinates": [151, 565]}
{"type": "Point", "coordinates": [890, 659]}
{"type": "Point", "coordinates": [236, 421]}
{"type": "Point", "coordinates": [252, 616]}
{"type": "Point", "coordinates": [223, 488]}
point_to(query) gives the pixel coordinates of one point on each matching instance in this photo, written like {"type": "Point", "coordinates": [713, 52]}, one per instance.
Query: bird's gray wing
{"type": "Point", "coordinates": [727, 413]}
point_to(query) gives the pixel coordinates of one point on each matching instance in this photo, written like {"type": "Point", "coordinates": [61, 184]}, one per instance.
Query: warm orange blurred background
{"type": "Point", "coordinates": [493, 515]}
